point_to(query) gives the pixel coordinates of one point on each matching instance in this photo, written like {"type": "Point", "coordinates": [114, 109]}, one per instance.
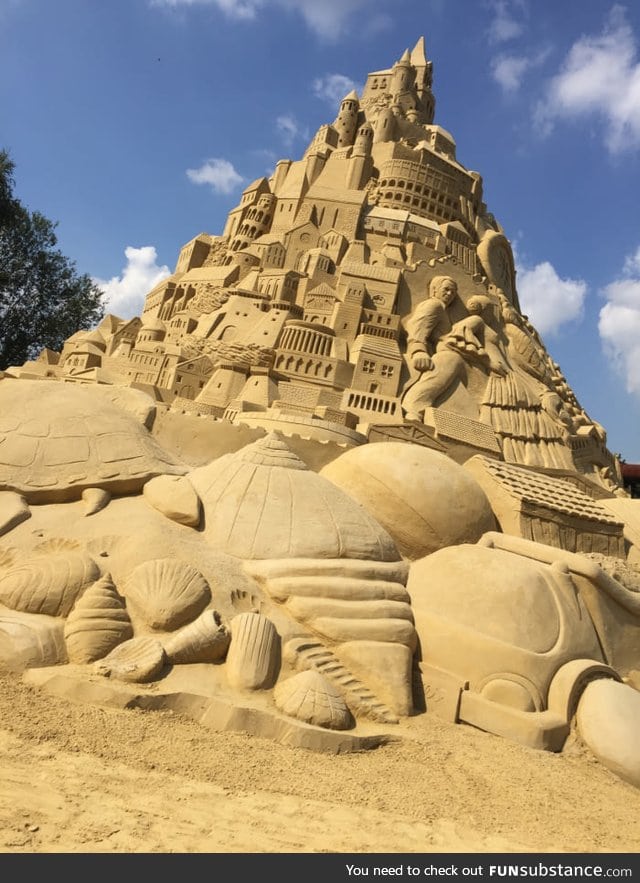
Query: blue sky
{"type": "Point", "coordinates": [135, 125]}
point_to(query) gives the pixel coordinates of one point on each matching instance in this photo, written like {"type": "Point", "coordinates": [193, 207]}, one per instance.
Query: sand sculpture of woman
{"type": "Point", "coordinates": [522, 405]}
{"type": "Point", "coordinates": [519, 402]}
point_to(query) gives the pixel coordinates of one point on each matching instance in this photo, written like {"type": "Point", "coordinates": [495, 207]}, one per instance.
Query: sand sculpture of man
{"type": "Point", "coordinates": [425, 326]}
{"type": "Point", "coordinates": [439, 354]}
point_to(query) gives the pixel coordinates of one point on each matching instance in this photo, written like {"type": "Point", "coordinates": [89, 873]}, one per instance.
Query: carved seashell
{"type": "Point", "coordinates": [206, 639]}
{"type": "Point", "coordinates": [48, 584]}
{"type": "Point", "coordinates": [292, 497]}
{"type": "Point", "coordinates": [167, 593]}
{"type": "Point", "coordinates": [136, 661]}
{"type": "Point", "coordinates": [309, 697]}
{"type": "Point", "coordinates": [30, 641]}
{"type": "Point", "coordinates": [97, 624]}
{"type": "Point", "coordinates": [253, 659]}
{"type": "Point", "coordinates": [311, 654]}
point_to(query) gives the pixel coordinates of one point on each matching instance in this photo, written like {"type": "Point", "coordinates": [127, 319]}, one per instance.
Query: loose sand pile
{"type": "Point", "coordinates": [86, 779]}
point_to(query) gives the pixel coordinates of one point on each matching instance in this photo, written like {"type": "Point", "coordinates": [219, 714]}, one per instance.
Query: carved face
{"type": "Point", "coordinates": [445, 289]}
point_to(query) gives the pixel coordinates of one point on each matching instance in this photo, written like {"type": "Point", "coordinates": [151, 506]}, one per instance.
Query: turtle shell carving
{"type": "Point", "coordinates": [57, 439]}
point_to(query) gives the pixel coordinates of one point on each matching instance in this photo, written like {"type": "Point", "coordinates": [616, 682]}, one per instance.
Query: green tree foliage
{"type": "Point", "coordinates": [43, 300]}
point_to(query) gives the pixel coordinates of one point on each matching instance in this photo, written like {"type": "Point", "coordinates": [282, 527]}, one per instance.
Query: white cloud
{"type": "Point", "coordinates": [548, 300]}
{"type": "Point", "coordinates": [334, 87]}
{"type": "Point", "coordinates": [632, 264]}
{"type": "Point", "coordinates": [240, 9]}
{"type": "Point", "coordinates": [504, 26]}
{"type": "Point", "coordinates": [509, 70]}
{"type": "Point", "coordinates": [619, 323]}
{"type": "Point", "coordinates": [289, 129]}
{"type": "Point", "coordinates": [600, 77]}
{"type": "Point", "coordinates": [376, 24]}
{"type": "Point", "coordinates": [218, 173]}
{"type": "Point", "coordinates": [125, 294]}
{"type": "Point", "coordinates": [328, 19]}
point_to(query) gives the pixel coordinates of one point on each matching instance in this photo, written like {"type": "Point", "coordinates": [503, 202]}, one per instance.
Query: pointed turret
{"type": "Point", "coordinates": [403, 74]}
{"type": "Point", "coordinates": [360, 163]}
{"type": "Point", "coordinates": [346, 123]}
{"type": "Point", "coordinates": [423, 81]}
{"type": "Point", "coordinates": [418, 54]}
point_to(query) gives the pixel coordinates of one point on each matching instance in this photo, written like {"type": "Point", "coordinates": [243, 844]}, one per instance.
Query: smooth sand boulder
{"type": "Point", "coordinates": [608, 720]}
{"type": "Point", "coordinates": [422, 498]}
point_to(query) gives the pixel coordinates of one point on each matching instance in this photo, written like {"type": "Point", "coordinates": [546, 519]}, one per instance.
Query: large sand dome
{"type": "Point", "coordinates": [424, 499]}
{"type": "Point", "coordinates": [265, 502]}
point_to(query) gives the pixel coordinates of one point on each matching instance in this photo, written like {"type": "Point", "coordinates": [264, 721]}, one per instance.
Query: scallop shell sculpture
{"type": "Point", "coordinates": [97, 624]}
{"type": "Point", "coordinates": [206, 639]}
{"type": "Point", "coordinates": [166, 593]}
{"type": "Point", "coordinates": [253, 659]}
{"type": "Point", "coordinates": [137, 661]}
{"type": "Point", "coordinates": [48, 584]}
{"type": "Point", "coordinates": [309, 697]}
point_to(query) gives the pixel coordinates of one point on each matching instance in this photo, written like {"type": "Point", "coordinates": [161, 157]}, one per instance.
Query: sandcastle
{"type": "Point", "coordinates": [330, 481]}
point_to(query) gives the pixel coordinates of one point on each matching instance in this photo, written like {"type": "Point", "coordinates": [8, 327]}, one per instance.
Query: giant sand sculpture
{"type": "Point", "coordinates": [330, 480]}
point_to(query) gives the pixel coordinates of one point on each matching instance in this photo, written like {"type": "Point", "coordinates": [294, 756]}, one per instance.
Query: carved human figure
{"type": "Point", "coordinates": [470, 341]}
{"type": "Point", "coordinates": [521, 405]}
{"type": "Point", "coordinates": [579, 417]}
{"type": "Point", "coordinates": [428, 323]}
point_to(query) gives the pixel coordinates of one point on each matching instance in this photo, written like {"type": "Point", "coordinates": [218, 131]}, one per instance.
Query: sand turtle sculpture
{"type": "Point", "coordinates": [61, 442]}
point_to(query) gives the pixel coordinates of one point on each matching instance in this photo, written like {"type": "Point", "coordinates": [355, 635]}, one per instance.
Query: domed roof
{"type": "Point", "coordinates": [94, 338]}
{"type": "Point", "coordinates": [265, 502]}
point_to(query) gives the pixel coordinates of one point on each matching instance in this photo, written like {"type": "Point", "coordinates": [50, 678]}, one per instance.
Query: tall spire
{"type": "Point", "coordinates": [419, 55]}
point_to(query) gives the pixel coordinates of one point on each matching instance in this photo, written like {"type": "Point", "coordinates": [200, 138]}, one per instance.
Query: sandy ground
{"type": "Point", "coordinates": [79, 778]}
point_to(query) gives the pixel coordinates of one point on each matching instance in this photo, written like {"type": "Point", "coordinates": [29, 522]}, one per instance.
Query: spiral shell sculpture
{"type": "Point", "coordinates": [206, 639]}
{"type": "Point", "coordinates": [97, 624]}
